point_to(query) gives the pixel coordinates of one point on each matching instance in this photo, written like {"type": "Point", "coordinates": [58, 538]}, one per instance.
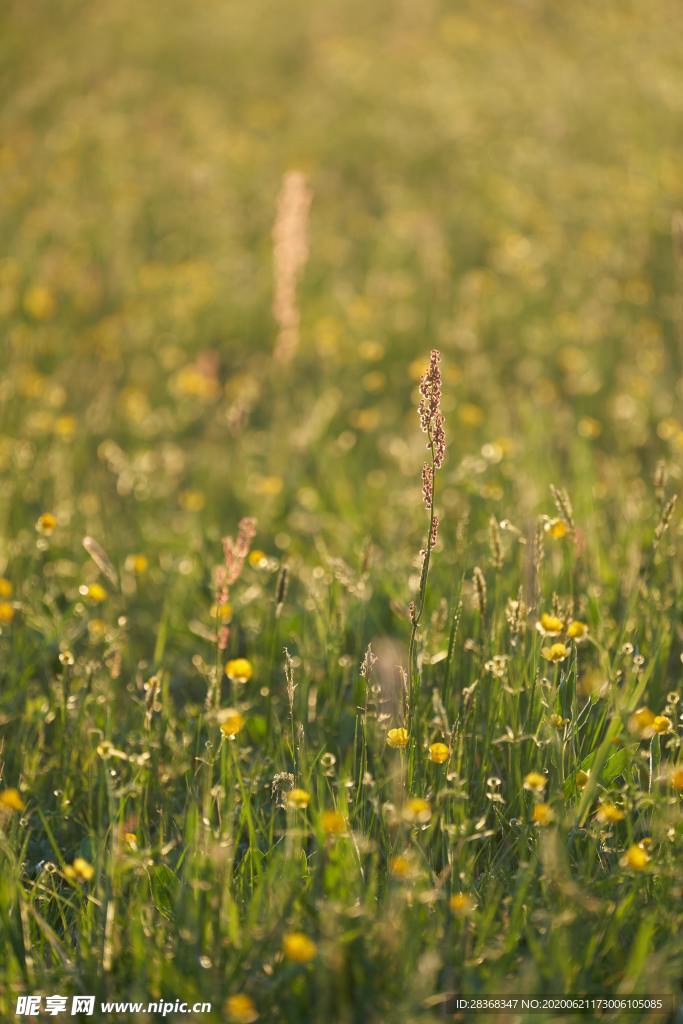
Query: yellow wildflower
{"type": "Point", "coordinates": [10, 800]}
{"type": "Point", "coordinates": [232, 722]}
{"type": "Point", "coordinates": [641, 722]}
{"type": "Point", "coordinates": [79, 871]}
{"type": "Point", "coordinates": [417, 811]}
{"type": "Point", "coordinates": [239, 670]}
{"type": "Point", "coordinates": [131, 840]}
{"type": "Point", "coordinates": [535, 781]}
{"type": "Point", "coordinates": [397, 738]}
{"type": "Point", "coordinates": [661, 724]}
{"type": "Point", "coordinates": [333, 823]}
{"type": "Point", "coordinates": [676, 778]}
{"type": "Point", "coordinates": [577, 630]}
{"type": "Point", "coordinates": [549, 625]}
{"type": "Point", "coordinates": [298, 948]}
{"type": "Point", "coordinates": [298, 798]}
{"type": "Point", "coordinates": [635, 858]}
{"type": "Point", "coordinates": [439, 753]}
{"type": "Point", "coordinates": [6, 587]}
{"type": "Point", "coordinates": [46, 524]}
{"type": "Point", "coordinates": [257, 558]}
{"type": "Point", "coordinates": [542, 814]}
{"type": "Point", "coordinates": [401, 866]}
{"type": "Point", "coordinates": [222, 612]}
{"type": "Point", "coordinates": [609, 813]}
{"type": "Point", "coordinates": [556, 528]}
{"type": "Point", "coordinates": [137, 564]}
{"type": "Point", "coordinates": [6, 613]}
{"type": "Point", "coordinates": [461, 904]}
{"type": "Point", "coordinates": [96, 593]}
{"type": "Point", "coordinates": [556, 652]}
{"type": "Point", "coordinates": [240, 1009]}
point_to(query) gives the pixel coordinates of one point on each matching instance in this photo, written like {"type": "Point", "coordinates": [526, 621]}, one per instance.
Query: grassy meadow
{"type": "Point", "coordinates": [271, 736]}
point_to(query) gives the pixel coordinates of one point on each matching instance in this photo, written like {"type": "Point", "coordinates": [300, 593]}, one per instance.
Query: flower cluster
{"type": "Point", "coordinates": [552, 626]}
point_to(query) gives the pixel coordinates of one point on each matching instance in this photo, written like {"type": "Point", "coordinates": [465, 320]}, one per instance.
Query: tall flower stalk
{"type": "Point", "coordinates": [431, 424]}
{"type": "Point", "coordinates": [235, 551]}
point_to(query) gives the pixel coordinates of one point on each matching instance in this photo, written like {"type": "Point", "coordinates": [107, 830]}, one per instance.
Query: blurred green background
{"type": "Point", "coordinates": [494, 180]}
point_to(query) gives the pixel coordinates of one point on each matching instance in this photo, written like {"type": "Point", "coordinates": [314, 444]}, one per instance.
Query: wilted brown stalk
{"type": "Point", "coordinates": [290, 253]}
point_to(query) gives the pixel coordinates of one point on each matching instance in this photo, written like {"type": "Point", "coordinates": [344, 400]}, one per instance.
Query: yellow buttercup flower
{"type": "Point", "coordinates": [542, 814]}
{"type": "Point", "coordinates": [6, 613]}
{"type": "Point", "coordinates": [46, 524]}
{"type": "Point", "coordinates": [232, 722]}
{"type": "Point", "coordinates": [641, 722]}
{"type": "Point", "coordinates": [397, 738]}
{"type": "Point", "coordinates": [556, 528]}
{"type": "Point", "coordinates": [240, 1009]}
{"type": "Point", "coordinates": [222, 612]}
{"type": "Point", "coordinates": [298, 948]}
{"type": "Point", "coordinates": [333, 823]}
{"type": "Point", "coordinates": [257, 558]}
{"type": "Point", "coordinates": [96, 593]}
{"type": "Point", "coordinates": [10, 800]}
{"type": "Point", "coordinates": [239, 670]}
{"type": "Point", "coordinates": [6, 588]}
{"type": "Point", "coordinates": [676, 778]}
{"type": "Point", "coordinates": [417, 811]}
{"type": "Point", "coordinates": [535, 781]}
{"type": "Point", "coordinates": [609, 813]}
{"type": "Point", "coordinates": [556, 652]}
{"type": "Point", "coordinates": [635, 858]}
{"type": "Point", "coordinates": [577, 630]}
{"type": "Point", "coordinates": [298, 798]}
{"type": "Point", "coordinates": [131, 840]}
{"type": "Point", "coordinates": [661, 724]}
{"type": "Point", "coordinates": [549, 625]}
{"type": "Point", "coordinates": [439, 753]}
{"type": "Point", "coordinates": [138, 564]}
{"type": "Point", "coordinates": [401, 867]}
{"type": "Point", "coordinates": [79, 871]}
{"type": "Point", "coordinates": [461, 904]}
